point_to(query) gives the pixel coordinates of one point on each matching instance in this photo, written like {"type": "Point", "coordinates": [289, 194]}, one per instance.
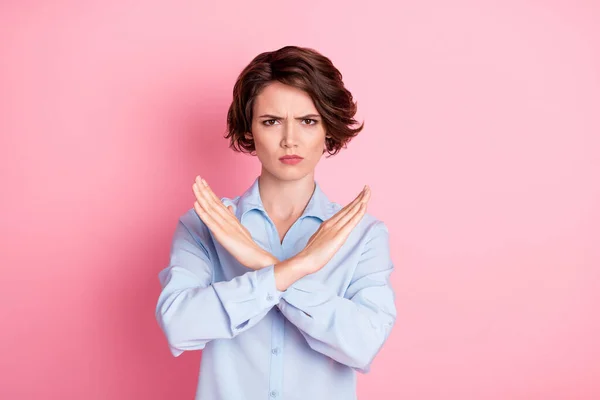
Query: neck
{"type": "Point", "coordinates": [285, 200]}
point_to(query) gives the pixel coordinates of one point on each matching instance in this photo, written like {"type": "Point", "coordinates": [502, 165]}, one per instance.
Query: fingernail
{"type": "Point", "coordinates": [204, 182]}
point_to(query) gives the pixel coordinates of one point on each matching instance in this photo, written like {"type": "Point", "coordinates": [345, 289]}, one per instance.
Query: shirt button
{"type": "Point", "coordinates": [275, 350]}
{"type": "Point", "coordinates": [273, 393]}
{"type": "Point", "coordinates": [269, 297]}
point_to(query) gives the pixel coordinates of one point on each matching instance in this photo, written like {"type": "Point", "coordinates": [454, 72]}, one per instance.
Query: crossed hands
{"type": "Point", "coordinates": [237, 240]}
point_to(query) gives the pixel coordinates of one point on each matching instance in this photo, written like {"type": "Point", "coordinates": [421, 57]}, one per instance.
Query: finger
{"type": "Point", "coordinates": [208, 220]}
{"type": "Point", "coordinates": [207, 201]}
{"type": "Point", "coordinates": [218, 204]}
{"type": "Point", "coordinates": [204, 203]}
{"type": "Point", "coordinates": [344, 211]}
{"type": "Point", "coordinates": [225, 212]}
{"type": "Point", "coordinates": [223, 216]}
{"type": "Point", "coordinates": [367, 195]}
{"type": "Point", "coordinates": [354, 210]}
{"type": "Point", "coordinates": [348, 206]}
{"type": "Point", "coordinates": [200, 197]}
{"type": "Point", "coordinates": [352, 222]}
{"type": "Point", "coordinates": [357, 198]}
{"type": "Point", "coordinates": [205, 186]}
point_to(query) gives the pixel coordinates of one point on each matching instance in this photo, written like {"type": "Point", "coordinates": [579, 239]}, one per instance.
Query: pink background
{"type": "Point", "coordinates": [481, 146]}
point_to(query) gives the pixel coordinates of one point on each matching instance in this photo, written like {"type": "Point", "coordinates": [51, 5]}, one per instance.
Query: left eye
{"type": "Point", "coordinates": [310, 121]}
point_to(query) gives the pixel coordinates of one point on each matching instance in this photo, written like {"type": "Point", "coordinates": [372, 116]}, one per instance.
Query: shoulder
{"type": "Point", "coordinates": [192, 223]}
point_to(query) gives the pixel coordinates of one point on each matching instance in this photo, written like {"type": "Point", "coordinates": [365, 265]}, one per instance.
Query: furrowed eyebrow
{"type": "Point", "coordinates": [308, 116]}
{"type": "Point", "coordinates": [269, 116]}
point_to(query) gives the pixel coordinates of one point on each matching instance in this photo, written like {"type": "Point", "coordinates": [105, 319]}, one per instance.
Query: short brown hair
{"type": "Point", "coordinates": [303, 68]}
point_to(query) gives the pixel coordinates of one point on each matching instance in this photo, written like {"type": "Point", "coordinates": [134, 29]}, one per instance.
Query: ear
{"type": "Point", "coordinates": [247, 135]}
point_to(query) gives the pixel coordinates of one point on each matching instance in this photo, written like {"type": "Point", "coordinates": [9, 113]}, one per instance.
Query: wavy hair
{"type": "Point", "coordinates": [303, 68]}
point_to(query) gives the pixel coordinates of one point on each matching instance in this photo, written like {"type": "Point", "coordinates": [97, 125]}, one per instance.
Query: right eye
{"type": "Point", "coordinates": [269, 122]}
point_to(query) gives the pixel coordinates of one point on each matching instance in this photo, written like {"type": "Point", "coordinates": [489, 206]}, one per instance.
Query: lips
{"type": "Point", "coordinates": [291, 158]}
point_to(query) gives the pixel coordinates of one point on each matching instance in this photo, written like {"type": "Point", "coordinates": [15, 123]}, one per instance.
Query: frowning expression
{"type": "Point", "coordinates": [286, 122]}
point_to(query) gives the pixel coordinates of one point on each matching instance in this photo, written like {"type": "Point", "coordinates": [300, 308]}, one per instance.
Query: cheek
{"type": "Point", "coordinates": [318, 143]}
{"type": "Point", "coordinates": [264, 145]}
{"type": "Point", "coordinates": [264, 148]}
{"type": "Point", "coordinates": [258, 137]}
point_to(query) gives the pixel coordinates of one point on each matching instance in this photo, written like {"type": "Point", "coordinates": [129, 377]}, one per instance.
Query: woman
{"type": "Point", "coordinates": [287, 293]}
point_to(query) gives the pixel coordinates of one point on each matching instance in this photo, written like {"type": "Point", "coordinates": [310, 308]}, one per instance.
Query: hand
{"type": "Point", "coordinates": [332, 234]}
{"type": "Point", "coordinates": [226, 228]}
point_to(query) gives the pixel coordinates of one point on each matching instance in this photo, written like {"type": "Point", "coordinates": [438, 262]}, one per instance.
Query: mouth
{"type": "Point", "coordinates": [291, 160]}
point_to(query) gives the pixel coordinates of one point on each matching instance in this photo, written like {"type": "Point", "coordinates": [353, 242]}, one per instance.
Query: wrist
{"type": "Point", "coordinates": [266, 259]}
{"type": "Point", "coordinates": [289, 271]}
{"type": "Point", "coordinates": [303, 262]}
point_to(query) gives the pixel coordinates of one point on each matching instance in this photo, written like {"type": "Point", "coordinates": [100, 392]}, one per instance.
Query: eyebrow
{"type": "Point", "coordinates": [307, 116]}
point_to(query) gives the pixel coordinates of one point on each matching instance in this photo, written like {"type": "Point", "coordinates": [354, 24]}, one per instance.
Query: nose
{"type": "Point", "coordinates": [290, 138]}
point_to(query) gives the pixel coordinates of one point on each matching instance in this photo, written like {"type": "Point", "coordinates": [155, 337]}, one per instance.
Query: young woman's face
{"type": "Point", "coordinates": [285, 122]}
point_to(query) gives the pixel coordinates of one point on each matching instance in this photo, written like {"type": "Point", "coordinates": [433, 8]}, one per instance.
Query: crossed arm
{"type": "Point", "coordinates": [349, 329]}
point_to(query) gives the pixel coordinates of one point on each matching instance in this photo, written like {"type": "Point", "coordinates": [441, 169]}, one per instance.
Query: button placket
{"type": "Point", "coordinates": [278, 325]}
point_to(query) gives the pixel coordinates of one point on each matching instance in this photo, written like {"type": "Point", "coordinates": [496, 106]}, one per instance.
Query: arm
{"type": "Point", "coordinates": [192, 311]}
{"type": "Point", "coordinates": [353, 328]}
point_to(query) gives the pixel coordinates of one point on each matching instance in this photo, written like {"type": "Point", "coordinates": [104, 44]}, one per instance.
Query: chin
{"type": "Point", "coordinates": [291, 175]}
{"type": "Point", "coordinates": [288, 174]}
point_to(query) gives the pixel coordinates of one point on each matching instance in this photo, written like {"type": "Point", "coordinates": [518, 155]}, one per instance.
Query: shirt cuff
{"type": "Point", "coordinates": [266, 280]}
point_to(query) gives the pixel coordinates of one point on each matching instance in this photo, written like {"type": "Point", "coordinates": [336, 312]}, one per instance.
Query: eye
{"type": "Point", "coordinates": [269, 122]}
{"type": "Point", "coordinates": [311, 121]}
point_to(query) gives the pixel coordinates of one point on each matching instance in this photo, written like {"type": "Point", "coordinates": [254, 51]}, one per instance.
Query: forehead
{"type": "Point", "coordinates": [277, 97]}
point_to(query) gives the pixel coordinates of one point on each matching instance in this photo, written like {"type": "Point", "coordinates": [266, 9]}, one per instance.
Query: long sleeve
{"type": "Point", "coordinates": [353, 328]}
{"type": "Point", "coordinates": [193, 310]}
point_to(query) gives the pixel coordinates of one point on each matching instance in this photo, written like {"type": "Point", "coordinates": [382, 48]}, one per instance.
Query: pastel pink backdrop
{"type": "Point", "coordinates": [481, 147]}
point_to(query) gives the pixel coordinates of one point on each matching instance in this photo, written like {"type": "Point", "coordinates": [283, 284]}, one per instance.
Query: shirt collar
{"type": "Point", "coordinates": [319, 205]}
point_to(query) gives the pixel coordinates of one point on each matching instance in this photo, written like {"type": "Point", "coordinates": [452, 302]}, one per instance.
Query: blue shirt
{"type": "Point", "coordinates": [260, 343]}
